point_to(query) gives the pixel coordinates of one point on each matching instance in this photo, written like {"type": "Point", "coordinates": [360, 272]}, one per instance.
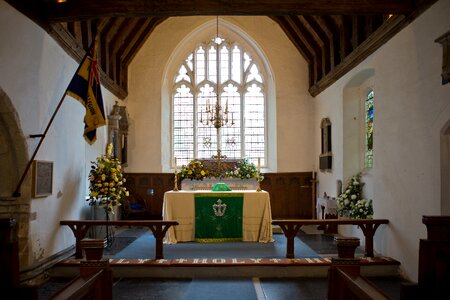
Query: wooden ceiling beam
{"type": "Point", "coordinates": [87, 9]}
{"type": "Point", "coordinates": [328, 32]}
{"type": "Point", "coordinates": [293, 36]}
{"type": "Point", "coordinates": [117, 41]}
{"type": "Point", "coordinates": [107, 34]}
{"type": "Point", "coordinates": [322, 39]}
{"type": "Point", "coordinates": [112, 35]}
{"type": "Point", "coordinates": [315, 43]}
{"type": "Point", "coordinates": [291, 33]}
{"type": "Point", "coordinates": [314, 49]}
{"type": "Point", "coordinates": [104, 54]}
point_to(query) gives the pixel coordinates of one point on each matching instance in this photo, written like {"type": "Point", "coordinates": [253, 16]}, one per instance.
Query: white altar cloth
{"type": "Point", "coordinates": [329, 207]}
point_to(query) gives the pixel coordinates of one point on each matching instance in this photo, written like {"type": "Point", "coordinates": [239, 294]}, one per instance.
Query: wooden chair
{"type": "Point", "coordinates": [135, 208]}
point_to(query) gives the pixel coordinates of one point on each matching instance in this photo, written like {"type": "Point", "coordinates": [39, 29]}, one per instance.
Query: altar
{"type": "Point", "coordinates": [181, 206]}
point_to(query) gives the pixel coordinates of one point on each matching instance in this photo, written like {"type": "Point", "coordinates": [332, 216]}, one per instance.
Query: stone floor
{"type": "Point", "coordinates": [196, 288]}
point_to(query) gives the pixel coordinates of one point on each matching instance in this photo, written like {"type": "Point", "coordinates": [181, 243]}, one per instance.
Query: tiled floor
{"type": "Point", "coordinates": [226, 288]}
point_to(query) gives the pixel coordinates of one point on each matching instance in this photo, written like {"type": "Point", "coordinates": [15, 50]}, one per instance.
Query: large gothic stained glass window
{"type": "Point", "coordinates": [369, 130]}
{"type": "Point", "coordinates": [241, 89]}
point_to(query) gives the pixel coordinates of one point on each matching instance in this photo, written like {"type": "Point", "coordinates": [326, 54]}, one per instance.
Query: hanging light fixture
{"type": "Point", "coordinates": [216, 115]}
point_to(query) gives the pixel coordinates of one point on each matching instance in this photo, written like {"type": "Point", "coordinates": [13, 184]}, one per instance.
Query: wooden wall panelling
{"type": "Point", "coordinates": [290, 194]}
{"type": "Point", "coordinates": [150, 187]}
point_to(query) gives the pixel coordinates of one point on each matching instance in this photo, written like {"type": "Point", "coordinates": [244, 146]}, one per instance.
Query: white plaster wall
{"type": "Point", "coordinates": [411, 109]}
{"type": "Point", "coordinates": [34, 73]}
{"type": "Point", "coordinates": [149, 141]}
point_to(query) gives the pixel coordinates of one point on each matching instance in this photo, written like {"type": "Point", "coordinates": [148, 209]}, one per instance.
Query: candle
{"type": "Point", "coordinates": [175, 163]}
{"type": "Point", "coordinates": [259, 165]}
{"type": "Point", "coordinates": [314, 172]}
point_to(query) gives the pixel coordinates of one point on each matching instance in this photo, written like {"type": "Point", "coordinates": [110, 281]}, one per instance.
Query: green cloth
{"type": "Point", "coordinates": [218, 217]}
{"type": "Point", "coordinates": [221, 187]}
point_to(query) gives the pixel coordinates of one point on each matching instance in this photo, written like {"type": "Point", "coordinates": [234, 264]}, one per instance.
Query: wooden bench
{"type": "Point", "coordinates": [292, 226]}
{"type": "Point", "coordinates": [158, 228]}
{"type": "Point", "coordinates": [95, 278]}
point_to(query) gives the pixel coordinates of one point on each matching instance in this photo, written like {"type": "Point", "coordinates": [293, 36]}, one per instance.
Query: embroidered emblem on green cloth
{"type": "Point", "coordinates": [218, 217]}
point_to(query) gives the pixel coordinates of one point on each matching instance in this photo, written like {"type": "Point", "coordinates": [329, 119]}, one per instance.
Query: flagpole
{"type": "Point", "coordinates": [17, 190]}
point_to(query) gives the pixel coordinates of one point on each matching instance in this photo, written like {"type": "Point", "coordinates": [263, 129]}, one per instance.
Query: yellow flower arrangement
{"type": "Point", "coordinates": [106, 182]}
{"type": "Point", "coordinates": [194, 170]}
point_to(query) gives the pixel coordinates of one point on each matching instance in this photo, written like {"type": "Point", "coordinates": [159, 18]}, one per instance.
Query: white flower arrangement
{"type": "Point", "coordinates": [350, 196]}
{"type": "Point", "coordinates": [362, 209]}
{"type": "Point", "coordinates": [350, 203]}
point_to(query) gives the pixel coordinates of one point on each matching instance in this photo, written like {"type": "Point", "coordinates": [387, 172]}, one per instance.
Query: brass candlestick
{"type": "Point", "coordinates": [258, 189]}
{"type": "Point", "coordinates": [258, 178]}
{"type": "Point", "coordinates": [175, 188]}
{"type": "Point", "coordinates": [313, 196]}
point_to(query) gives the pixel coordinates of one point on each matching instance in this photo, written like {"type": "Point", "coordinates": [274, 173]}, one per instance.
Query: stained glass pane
{"type": "Point", "coordinates": [369, 129]}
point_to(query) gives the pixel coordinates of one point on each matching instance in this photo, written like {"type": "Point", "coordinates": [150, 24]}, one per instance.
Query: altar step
{"type": "Point", "coordinates": [230, 267]}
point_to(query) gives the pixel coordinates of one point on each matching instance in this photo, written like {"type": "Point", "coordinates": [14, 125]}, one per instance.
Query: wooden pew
{"type": "Point", "coordinates": [346, 282]}
{"type": "Point", "coordinates": [344, 276]}
{"type": "Point", "coordinates": [434, 262]}
{"type": "Point", "coordinates": [158, 228]}
{"type": "Point", "coordinates": [95, 279]}
{"type": "Point", "coordinates": [292, 226]}
{"type": "Point", "coordinates": [10, 286]}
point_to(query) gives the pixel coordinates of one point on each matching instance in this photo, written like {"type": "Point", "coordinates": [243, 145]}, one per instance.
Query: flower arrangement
{"type": "Point", "coordinates": [243, 170]}
{"type": "Point", "coordinates": [350, 203]}
{"type": "Point", "coordinates": [106, 182]}
{"type": "Point", "coordinates": [194, 170]}
{"type": "Point", "coordinates": [362, 209]}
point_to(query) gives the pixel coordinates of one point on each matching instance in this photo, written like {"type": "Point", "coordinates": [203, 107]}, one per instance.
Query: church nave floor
{"type": "Point", "coordinates": [219, 283]}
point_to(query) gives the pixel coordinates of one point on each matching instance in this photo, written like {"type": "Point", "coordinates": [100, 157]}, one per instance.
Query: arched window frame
{"type": "Point", "coordinates": [195, 89]}
{"type": "Point", "coordinates": [326, 154]}
{"type": "Point", "coordinates": [368, 128]}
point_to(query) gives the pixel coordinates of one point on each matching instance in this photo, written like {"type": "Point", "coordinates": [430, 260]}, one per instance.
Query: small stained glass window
{"type": "Point", "coordinates": [369, 129]}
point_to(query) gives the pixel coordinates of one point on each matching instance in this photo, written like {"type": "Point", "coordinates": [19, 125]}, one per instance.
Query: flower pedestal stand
{"type": "Point", "coordinates": [346, 246]}
{"type": "Point", "coordinates": [103, 232]}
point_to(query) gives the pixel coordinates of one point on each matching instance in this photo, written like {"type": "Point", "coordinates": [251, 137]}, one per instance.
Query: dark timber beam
{"type": "Point", "coordinates": [86, 9]}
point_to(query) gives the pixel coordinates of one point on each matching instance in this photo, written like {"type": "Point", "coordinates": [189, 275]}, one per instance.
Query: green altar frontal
{"type": "Point", "coordinates": [218, 217]}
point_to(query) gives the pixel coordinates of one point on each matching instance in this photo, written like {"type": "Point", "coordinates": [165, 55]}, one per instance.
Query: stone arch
{"type": "Point", "coordinates": [13, 159]}
{"type": "Point", "coordinates": [353, 120]}
{"type": "Point", "coordinates": [445, 169]}
{"type": "Point", "coordinates": [13, 154]}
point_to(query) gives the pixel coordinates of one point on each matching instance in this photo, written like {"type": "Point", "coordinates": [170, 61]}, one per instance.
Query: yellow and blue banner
{"type": "Point", "coordinates": [85, 87]}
